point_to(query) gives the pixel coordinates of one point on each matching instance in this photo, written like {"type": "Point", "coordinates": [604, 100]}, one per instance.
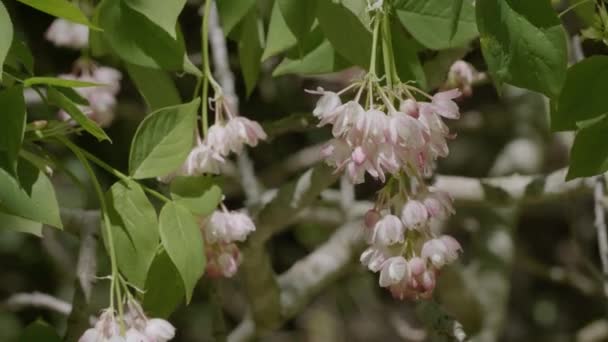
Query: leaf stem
{"type": "Point", "coordinates": [387, 51]}
{"type": "Point", "coordinates": [372, 63]}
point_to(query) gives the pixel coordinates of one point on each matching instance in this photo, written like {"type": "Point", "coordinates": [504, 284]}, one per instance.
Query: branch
{"type": "Point", "coordinates": [37, 300]}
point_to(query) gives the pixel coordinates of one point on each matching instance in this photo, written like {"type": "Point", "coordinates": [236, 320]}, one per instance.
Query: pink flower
{"type": "Point", "coordinates": [67, 34]}
{"type": "Point", "coordinates": [394, 270]}
{"type": "Point", "coordinates": [227, 227]}
{"type": "Point", "coordinates": [444, 105]}
{"type": "Point", "coordinates": [106, 329]}
{"type": "Point", "coordinates": [370, 125]}
{"type": "Point", "coordinates": [223, 260]}
{"type": "Point", "coordinates": [159, 330]}
{"type": "Point", "coordinates": [373, 258]}
{"type": "Point", "coordinates": [388, 231]}
{"type": "Point", "coordinates": [414, 214]}
{"type": "Point", "coordinates": [462, 75]}
{"type": "Point", "coordinates": [328, 102]}
{"type": "Point", "coordinates": [438, 203]}
{"type": "Point", "coordinates": [134, 335]}
{"type": "Point", "coordinates": [441, 251]}
{"type": "Point", "coordinates": [345, 117]}
{"type": "Point", "coordinates": [372, 217]}
{"type": "Point", "coordinates": [244, 131]}
{"type": "Point", "coordinates": [405, 131]}
{"type": "Point", "coordinates": [409, 107]}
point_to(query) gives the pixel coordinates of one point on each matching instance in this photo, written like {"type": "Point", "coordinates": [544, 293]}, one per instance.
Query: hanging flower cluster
{"type": "Point", "coordinates": [64, 33]}
{"type": "Point", "coordinates": [221, 231]}
{"type": "Point", "coordinates": [101, 99]}
{"type": "Point", "coordinates": [135, 326]}
{"type": "Point", "coordinates": [402, 247]}
{"type": "Point", "coordinates": [228, 134]}
{"type": "Point", "coordinates": [380, 139]}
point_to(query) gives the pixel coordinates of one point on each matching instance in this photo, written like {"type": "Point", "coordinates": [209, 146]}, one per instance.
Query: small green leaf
{"type": "Point", "coordinates": [162, 13]}
{"type": "Point", "coordinates": [232, 12]}
{"type": "Point", "coordinates": [134, 229]}
{"type": "Point", "coordinates": [321, 60]}
{"type": "Point", "coordinates": [163, 140]}
{"type": "Point", "coordinates": [183, 241]}
{"type": "Point", "coordinates": [62, 9]}
{"type": "Point", "coordinates": [299, 15]}
{"type": "Point", "coordinates": [156, 86]}
{"type": "Point", "coordinates": [347, 34]}
{"type": "Point", "coordinates": [19, 54]}
{"type": "Point", "coordinates": [20, 224]}
{"type": "Point", "coordinates": [523, 43]}
{"type": "Point", "coordinates": [60, 100]}
{"type": "Point", "coordinates": [32, 197]}
{"type": "Point", "coordinates": [39, 331]}
{"type": "Point", "coordinates": [58, 82]}
{"type": "Point", "coordinates": [250, 50]}
{"type": "Point", "coordinates": [12, 128]}
{"type": "Point", "coordinates": [138, 40]}
{"type": "Point", "coordinates": [158, 302]}
{"type": "Point", "coordinates": [431, 22]}
{"type": "Point", "coordinates": [6, 35]}
{"type": "Point", "coordinates": [589, 155]}
{"type": "Point", "coordinates": [200, 194]}
{"type": "Point", "coordinates": [584, 94]}
{"type": "Point", "coordinates": [279, 36]}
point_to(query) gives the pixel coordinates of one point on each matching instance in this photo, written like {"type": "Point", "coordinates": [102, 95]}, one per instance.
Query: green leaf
{"type": "Point", "coordinates": [163, 141]}
{"type": "Point", "coordinates": [321, 60]}
{"type": "Point", "coordinates": [250, 50]}
{"type": "Point", "coordinates": [162, 13]}
{"type": "Point", "coordinates": [405, 51]}
{"type": "Point", "coordinates": [6, 35]}
{"type": "Point", "coordinates": [183, 241]}
{"type": "Point", "coordinates": [137, 40]}
{"type": "Point", "coordinates": [20, 224]}
{"type": "Point", "coordinates": [155, 86]}
{"type": "Point", "coordinates": [134, 229]}
{"type": "Point", "coordinates": [523, 43]}
{"type": "Point", "coordinates": [200, 194]}
{"type": "Point", "coordinates": [456, 12]}
{"type": "Point", "coordinates": [62, 9]}
{"type": "Point", "coordinates": [589, 155]}
{"type": "Point", "coordinates": [279, 36]}
{"type": "Point", "coordinates": [39, 331]}
{"type": "Point", "coordinates": [58, 82]}
{"type": "Point", "coordinates": [232, 12]}
{"type": "Point", "coordinates": [431, 22]}
{"type": "Point", "coordinates": [299, 15]}
{"type": "Point", "coordinates": [584, 94]}
{"type": "Point", "coordinates": [62, 101]}
{"type": "Point", "coordinates": [19, 54]}
{"type": "Point", "coordinates": [12, 128]}
{"type": "Point", "coordinates": [32, 197]}
{"type": "Point", "coordinates": [163, 275]}
{"type": "Point", "coordinates": [347, 34]}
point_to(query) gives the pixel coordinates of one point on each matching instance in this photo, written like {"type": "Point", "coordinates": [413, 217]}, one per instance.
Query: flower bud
{"type": "Point", "coordinates": [372, 217]}
{"type": "Point", "coordinates": [409, 107]}
{"type": "Point", "coordinates": [394, 270]}
{"type": "Point", "coordinates": [414, 214]}
{"type": "Point", "coordinates": [388, 231]}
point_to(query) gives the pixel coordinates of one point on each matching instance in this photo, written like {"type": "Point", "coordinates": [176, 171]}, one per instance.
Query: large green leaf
{"type": "Point", "coordinates": [250, 50]}
{"type": "Point", "coordinates": [523, 43]}
{"type": "Point", "coordinates": [279, 36]}
{"type": "Point", "coordinates": [200, 194]}
{"type": "Point", "coordinates": [232, 12]}
{"type": "Point", "coordinates": [32, 197]}
{"type": "Point", "coordinates": [39, 331]}
{"type": "Point", "coordinates": [589, 154]}
{"type": "Point", "coordinates": [64, 102]}
{"type": "Point", "coordinates": [19, 55]}
{"type": "Point", "coordinates": [12, 127]}
{"type": "Point", "coordinates": [6, 35]}
{"type": "Point", "coordinates": [158, 302]}
{"type": "Point", "coordinates": [584, 94]}
{"type": "Point", "coordinates": [20, 224]}
{"type": "Point", "coordinates": [321, 60]}
{"type": "Point", "coordinates": [138, 40]}
{"type": "Point", "coordinates": [431, 22]}
{"type": "Point", "coordinates": [156, 86]}
{"type": "Point", "coordinates": [183, 241]}
{"type": "Point", "coordinates": [344, 29]}
{"type": "Point", "coordinates": [134, 229]}
{"type": "Point", "coordinates": [299, 15]}
{"type": "Point", "coordinates": [62, 9]}
{"type": "Point", "coordinates": [163, 140]}
{"type": "Point", "coordinates": [58, 82]}
{"type": "Point", "coordinates": [162, 13]}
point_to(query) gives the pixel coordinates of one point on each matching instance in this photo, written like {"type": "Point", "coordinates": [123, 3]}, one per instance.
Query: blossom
{"type": "Point", "coordinates": [159, 330]}
{"type": "Point", "coordinates": [105, 330]}
{"type": "Point", "coordinates": [462, 75]}
{"type": "Point", "coordinates": [326, 104]}
{"type": "Point", "coordinates": [241, 130]}
{"type": "Point", "coordinates": [68, 34]}
{"type": "Point", "coordinates": [414, 214]}
{"type": "Point", "coordinates": [394, 270]}
{"type": "Point", "coordinates": [438, 204]}
{"type": "Point", "coordinates": [441, 251]}
{"type": "Point", "coordinates": [223, 260]}
{"type": "Point", "coordinates": [388, 231]}
{"type": "Point", "coordinates": [227, 226]}
{"type": "Point", "coordinates": [373, 257]}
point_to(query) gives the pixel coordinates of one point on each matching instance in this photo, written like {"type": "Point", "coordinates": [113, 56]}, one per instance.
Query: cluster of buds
{"type": "Point", "coordinates": [380, 139]}
{"type": "Point", "coordinates": [404, 250]}
{"type": "Point", "coordinates": [64, 33]}
{"type": "Point", "coordinates": [135, 326]}
{"type": "Point", "coordinates": [101, 99]}
{"type": "Point", "coordinates": [228, 134]}
{"type": "Point", "coordinates": [221, 231]}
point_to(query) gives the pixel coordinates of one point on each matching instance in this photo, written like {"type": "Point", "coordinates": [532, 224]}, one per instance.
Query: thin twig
{"type": "Point", "coordinates": [600, 225]}
{"type": "Point", "coordinates": [37, 300]}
